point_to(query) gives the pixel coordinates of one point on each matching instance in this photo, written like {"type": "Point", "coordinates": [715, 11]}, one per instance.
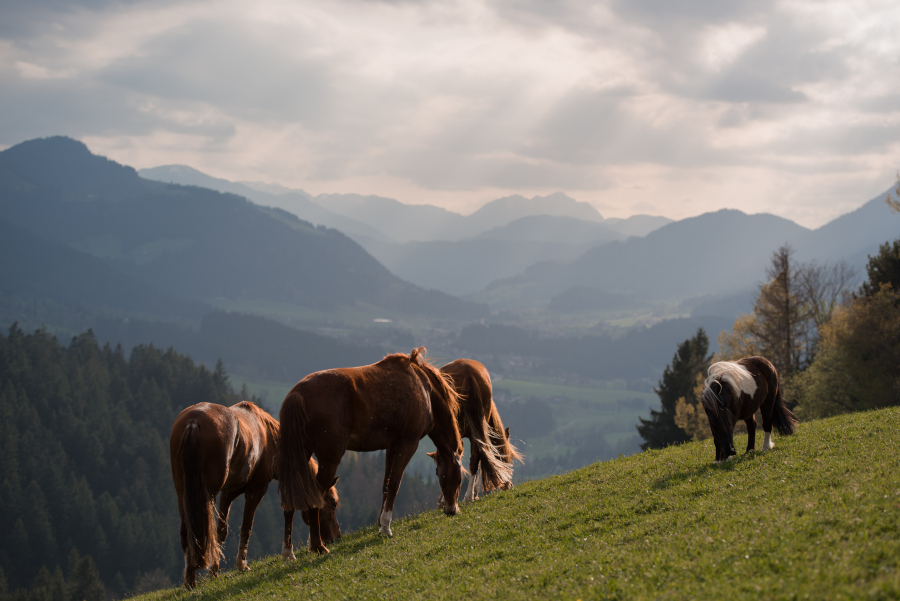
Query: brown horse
{"type": "Point", "coordinates": [229, 449]}
{"type": "Point", "coordinates": [389, 405]}
{"type": "Point", "coordinates": [491, 453]}
{"type": "Point", "coordinates": [736, 390]}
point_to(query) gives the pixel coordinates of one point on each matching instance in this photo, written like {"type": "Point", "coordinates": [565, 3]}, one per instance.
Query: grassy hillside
{"type": "Point", "coordinates": [817, 517]}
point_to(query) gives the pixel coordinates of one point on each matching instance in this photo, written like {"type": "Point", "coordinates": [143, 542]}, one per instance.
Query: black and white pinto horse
{"type": "Point", "coordinates": [735, 390]}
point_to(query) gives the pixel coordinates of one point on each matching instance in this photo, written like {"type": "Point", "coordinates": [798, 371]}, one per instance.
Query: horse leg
{"type": "Point", "coordinates": [474, 473]}
{"type": "Point", "coordinates": [325, 478]}
{"type": "Point", "coordinates": [189, 576]}
{"type": "Point", "coordinates": [287, 547]}
{"type": "Point", "coordinates": [252, 498]}
{"type": "Point", "coordinates": [225, 501]}
{"type": "Point", "coordinates": [751, 432]}
{"type": "Point", "coordinates": [396, 460]}
{"type": "Point", "coordinates": [767, 409]}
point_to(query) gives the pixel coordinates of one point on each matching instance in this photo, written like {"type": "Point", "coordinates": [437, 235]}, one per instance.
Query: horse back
{"type": "Point", "coordinates": [218, 430]}
{"type": "Point", "coordinates": [253, 456]}
{"type": "Point", "coordinates": [466, 371]}
{"type": "Point", "coordinates": [367, 406]}
{"type": "Point", "coordinates": [766, 378]}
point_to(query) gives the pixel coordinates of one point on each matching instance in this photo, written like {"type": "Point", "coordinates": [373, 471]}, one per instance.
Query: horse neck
{"type": "Point", "coordinates": [445, 434]}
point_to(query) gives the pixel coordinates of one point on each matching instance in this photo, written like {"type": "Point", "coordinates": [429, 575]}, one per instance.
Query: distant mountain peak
{"type": "Point", "coordinates": [509, 208]}
{"type": "Point", "coordinates": [64, 164]}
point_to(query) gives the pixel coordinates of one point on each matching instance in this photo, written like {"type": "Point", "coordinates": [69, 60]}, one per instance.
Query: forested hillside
{"type": "Point", "coordinates": [85, 481]}
{"type": "Point", "coordinates": [191, 242]}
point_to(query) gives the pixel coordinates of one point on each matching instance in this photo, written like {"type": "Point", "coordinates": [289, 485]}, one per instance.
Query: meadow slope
{"type": "Point", "coordinates": [816, 517]}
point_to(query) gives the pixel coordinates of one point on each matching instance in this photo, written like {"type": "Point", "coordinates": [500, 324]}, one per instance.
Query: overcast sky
{"type": "Point", "coordinates": [666, 107]}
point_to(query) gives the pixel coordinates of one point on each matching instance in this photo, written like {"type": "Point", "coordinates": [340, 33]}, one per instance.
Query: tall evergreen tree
{"type": "Point", "coordinates": [84, 580]}
{"type": "Point", "coordinates": [678, 381]}
{"type": "Point", "coordinates": [883, 268]}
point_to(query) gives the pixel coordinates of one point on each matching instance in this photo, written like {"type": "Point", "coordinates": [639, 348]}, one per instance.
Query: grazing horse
{"type": "Point", "coordinates": [735, 390]}
{"type": "Point", "coordinates": [229, 449]}
{"type": "Point", "coordinates": [492, 455]}
{"type": "Point", "coordinates": [388, 405]}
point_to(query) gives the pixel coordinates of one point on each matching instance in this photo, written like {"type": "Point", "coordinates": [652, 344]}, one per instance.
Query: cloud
{"type": "Point", "coordinates": [452, 99]}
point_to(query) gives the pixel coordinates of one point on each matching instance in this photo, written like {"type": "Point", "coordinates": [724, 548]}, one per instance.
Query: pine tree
{"type": "Point", "coordinates": [84, 580]}
{"type": "Point", "coordinates": [678, 381]}
{"type": "Point", "coordinates": [883, 268]}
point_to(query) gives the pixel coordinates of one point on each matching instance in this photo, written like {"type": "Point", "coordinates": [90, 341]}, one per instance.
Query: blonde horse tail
{"type": "Point", "coordinates": [199, 507]}
{"type": "Point", "coordinates": [296, 480]}
{"type": "Point", "coordinates": [495, 472]}
{"type": "Point", "coordinates": [509, 452]}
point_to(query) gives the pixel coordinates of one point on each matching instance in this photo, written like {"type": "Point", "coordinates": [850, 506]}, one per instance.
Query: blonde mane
{"type": "Point", "coordinates": [735, 375]}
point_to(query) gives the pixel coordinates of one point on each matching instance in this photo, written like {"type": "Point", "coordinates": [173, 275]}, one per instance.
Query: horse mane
{"type": "Point", "coordinates": [440, 382]}
{"type": "Point", "coordinates": [738, 377]}
{"type": "Point", "coordinates": [272, 426]}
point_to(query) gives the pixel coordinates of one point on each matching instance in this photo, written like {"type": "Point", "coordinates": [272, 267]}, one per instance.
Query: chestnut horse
{"type": "Point", "coordinates": [491, 453]}
{"type": "Point", "coordinates": [388, 405]}
{"type": "Point", "coordinates": [736, 390]}
{"type": "Point", "coordinates": [229, 449]}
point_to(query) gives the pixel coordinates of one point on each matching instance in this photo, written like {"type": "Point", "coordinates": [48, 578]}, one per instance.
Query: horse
{"type": "Point", "coordinates": [229, 449]}
{"type": "Point", "coordinates": [391, 405]}
{"type": "Point", "coordinates": [492, 455]}
{"type": "Point", "coordinates": [736, 390]}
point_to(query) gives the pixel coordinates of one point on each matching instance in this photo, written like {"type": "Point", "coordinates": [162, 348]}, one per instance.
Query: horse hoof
{"type": "Point", "coordinates": [321, 550]}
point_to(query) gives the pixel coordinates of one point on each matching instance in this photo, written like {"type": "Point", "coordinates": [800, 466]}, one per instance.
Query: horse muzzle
{"type": "Point", "coordinates": [451, 509]}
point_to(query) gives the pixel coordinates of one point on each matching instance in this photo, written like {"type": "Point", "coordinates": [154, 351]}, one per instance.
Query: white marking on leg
{"type": "Point", "coordinates": [767, 442]}
{"type": "Point", "coordinates": [470, 493]}
{"type": "Point", "coordinates": [386, 523]}
{"type": "Point", "coordinates": [184, 574]}
{"type": "Point", "coordinates": [287, 552]}
{"type": "Point", "coordinates": [479, 483]}
{"type": "Point", "coordinates": [241, 563]}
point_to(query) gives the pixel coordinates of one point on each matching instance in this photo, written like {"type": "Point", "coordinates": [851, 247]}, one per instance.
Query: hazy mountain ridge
{"type": "Point", "coordinates": [297, 202]}
{"type": "Point", "coordinates": [401, 222]}
{"type": "Point", "coordinates": [721, 253]}
{"type": "Point", "coordinates": [194, 242]}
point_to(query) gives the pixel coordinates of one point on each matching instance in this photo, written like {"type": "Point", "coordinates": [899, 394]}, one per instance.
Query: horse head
{"type": "Point", "coordinates": [716, 401]}
{"type": "Point", "coordinates": [328, 524]}
{"type": "Point", "coordinates": [449, 470]}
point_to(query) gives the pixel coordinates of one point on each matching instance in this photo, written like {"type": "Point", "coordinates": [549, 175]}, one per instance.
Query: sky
{"type": "Point", "coordinates": [666, 107]}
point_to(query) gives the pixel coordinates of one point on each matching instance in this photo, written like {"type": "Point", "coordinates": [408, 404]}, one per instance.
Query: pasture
{"type": "Point", "coordinates": [816, 517]}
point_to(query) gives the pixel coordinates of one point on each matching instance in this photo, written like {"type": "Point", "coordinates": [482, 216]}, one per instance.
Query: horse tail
{"type": "Point", "coordinates": [495, 472]}
{"type": "Point", "coordinates": [782, 417]}
{"type": "Point", "coordinates": [500, 440]}
{"type": "Point", "coordinates": [296, 480]}
{"type": "Point", "coordinates": [199, 507]}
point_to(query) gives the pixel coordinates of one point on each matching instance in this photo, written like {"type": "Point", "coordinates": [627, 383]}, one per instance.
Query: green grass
{"type": "Point", "coordinates": [816, 517]}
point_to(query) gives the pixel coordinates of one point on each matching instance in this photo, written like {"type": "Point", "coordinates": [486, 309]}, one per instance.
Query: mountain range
{"type": "Point", "coordinates": [179, 244]}
{"type": "Point", "coordinates": [388, 220]}
{"type": "Point", "coordinates": [723, 253]}
{"type": "Point", "coordinates": [556, 252]}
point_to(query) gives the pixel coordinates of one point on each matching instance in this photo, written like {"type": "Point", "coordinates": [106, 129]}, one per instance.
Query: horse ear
{"type": "Point", "coordinates": [507, 432]}
{"type": "Point", "coordinates": [433, 455]}
{"type": "Point", "coordinates": [333, 482]}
